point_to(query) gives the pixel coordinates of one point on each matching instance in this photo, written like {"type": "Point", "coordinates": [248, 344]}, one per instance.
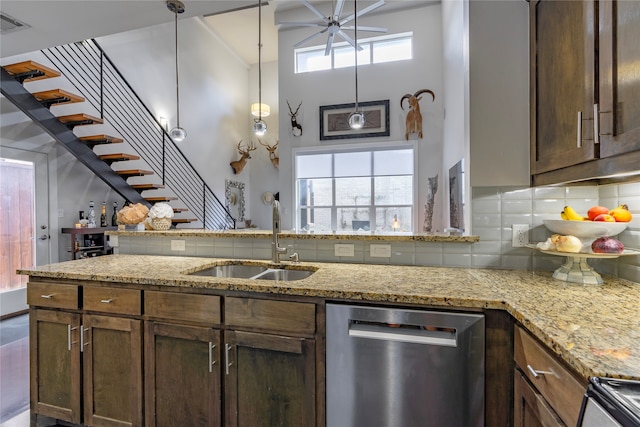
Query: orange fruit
{"type": "Point", "coordinates": [597, 210]}
{"type": "Point", "coordinates": [621, 214]}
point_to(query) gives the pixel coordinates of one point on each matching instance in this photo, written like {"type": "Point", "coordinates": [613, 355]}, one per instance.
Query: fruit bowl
{"type": "Point", "coordinates": [585, 229]}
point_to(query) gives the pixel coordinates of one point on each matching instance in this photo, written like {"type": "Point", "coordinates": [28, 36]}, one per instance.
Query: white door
{"type": "Point", "coordinates": [24, 222]}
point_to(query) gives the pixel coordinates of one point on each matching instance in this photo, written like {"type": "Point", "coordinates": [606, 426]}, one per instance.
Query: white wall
{"type": "Point", "coordinates": [375, 82]}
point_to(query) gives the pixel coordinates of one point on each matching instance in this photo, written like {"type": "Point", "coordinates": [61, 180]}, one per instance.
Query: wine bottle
{"type": "Point", "coordinates": [91, 216]}
{"type": "Point", "coordinates": [103, 215]}
{"type": "Point", "coordinates": [114, 217]}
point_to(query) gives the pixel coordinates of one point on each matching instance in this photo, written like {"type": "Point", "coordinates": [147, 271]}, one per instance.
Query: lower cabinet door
{"type": "Point", "coordinates": [182, 375]}
{"type": "Point", "coordinates": [530, 407]}
{"type": "Point", "coordinates": [112, 368]}
{"type": "Point", "coordinates": [269, 380]}
{"type": "Point", "coordinates": [55, 364]}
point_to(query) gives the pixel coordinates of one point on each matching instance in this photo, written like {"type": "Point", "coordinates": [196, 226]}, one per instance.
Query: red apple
{"type": "Point", "coordinates": [595, 211]}
{"type": "Point", "coordinates": [605, 218]}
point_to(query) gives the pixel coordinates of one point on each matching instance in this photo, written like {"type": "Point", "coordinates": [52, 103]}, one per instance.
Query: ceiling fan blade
{"type": "Point", "coordinates": [349, 40]}
{"type": "Point", "coordinates": [313, 9]}
{"type": "Point", "coordinates": [338, 10]}
{"type": "Point", "coordinates": [301, 24]}
{"type": "Point", "coordinates": [363, 11]}
{"type": "Point", "coordinates": [372, 29]}
{"type": "Point", "coordinates": [327, 51]}
{"type": "Point", "coordinates": [311, 37]}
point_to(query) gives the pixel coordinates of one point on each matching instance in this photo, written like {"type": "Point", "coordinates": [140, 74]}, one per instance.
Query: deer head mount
{"type": "Point", "coordinates": [238, 165]}
{"type": "Point", "coordinates": [275, 160]}
{"type": "Point", "coordinates": [414, 116]}
{"type": "Point", "coordinates": [296, 128]}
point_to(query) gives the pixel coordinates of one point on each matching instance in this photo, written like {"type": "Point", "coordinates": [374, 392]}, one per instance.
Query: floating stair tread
{"type": "Point", "coordinates": [118, 157]}
{"type": "Point", "coordinates": [26, 67]}
{"type": "Point", "coordinates": [141, 187]}
{"type": "Point", "coordinates": [80, 118]}
{"type": "Point", "coordinates": [160, 199]}
{"type": "Point", "coordinates": [178, 210]}
{"type": "Point", "coordinates": [182, 220]}
{"type": "Point", "coordinates": [101, 139]}
{"type": "Point", "coordinates": [134, 172]}
{"type": "Point", "coordinates": [57, 97]}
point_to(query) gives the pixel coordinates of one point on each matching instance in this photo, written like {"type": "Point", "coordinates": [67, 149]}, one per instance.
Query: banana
{"type": "Point", "coordinates": [572, 215]}
{"type": "Point", "coordinates": [563, 215]}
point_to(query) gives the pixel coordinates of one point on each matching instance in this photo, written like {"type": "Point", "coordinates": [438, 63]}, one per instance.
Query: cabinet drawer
{"type": "Point", "coordinates": [112, 300]}
{"type": "Point", "coordinates": [52, 295]}
{"type": "Point", "coordinates": [558, 386]}
{"type": "Point", "coordinates": [185, 307]}
{"type": "Point", "coordinates": [274, 316]}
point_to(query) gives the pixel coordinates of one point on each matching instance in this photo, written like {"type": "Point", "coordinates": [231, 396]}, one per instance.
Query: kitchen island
{"type": "Point", "coordinates": [594, 330]}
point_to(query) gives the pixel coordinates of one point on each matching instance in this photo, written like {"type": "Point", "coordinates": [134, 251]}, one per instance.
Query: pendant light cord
{"type": "Point", "coordinates": [175, 12]}
{"type": "Point", "coordinates": [259, 60]}
{"type": "Point", "coordinates": [355, 34]}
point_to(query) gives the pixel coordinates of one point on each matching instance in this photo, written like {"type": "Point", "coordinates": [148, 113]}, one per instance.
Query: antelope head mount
{"type": "Point", "coordinates": [296, 128]}
{"type": "Point", "coordinates": [272, 153]}
{"type": "Point", "coordinates": [238, 165]}
{"type": "Point", "coordinates": [414, 116]}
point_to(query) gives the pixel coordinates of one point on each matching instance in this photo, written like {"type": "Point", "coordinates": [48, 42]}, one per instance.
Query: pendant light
{"type": "Point", "coordinates": [178, 134]}
{"type": "Point", "coordinates": [356, 119]}
{"type": "Point", "coordinates": [259, 126]}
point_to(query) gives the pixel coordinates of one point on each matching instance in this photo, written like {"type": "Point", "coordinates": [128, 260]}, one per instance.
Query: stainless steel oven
{"type": "Point", "coordinates": [611, 402]}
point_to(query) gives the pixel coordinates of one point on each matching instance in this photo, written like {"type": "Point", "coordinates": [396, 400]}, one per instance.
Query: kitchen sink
{"type": "Point", "coordinates": [252, 271]}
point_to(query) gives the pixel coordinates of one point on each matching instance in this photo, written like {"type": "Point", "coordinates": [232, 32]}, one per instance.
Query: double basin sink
{"type": "Point", "coordinates": [252, 271]}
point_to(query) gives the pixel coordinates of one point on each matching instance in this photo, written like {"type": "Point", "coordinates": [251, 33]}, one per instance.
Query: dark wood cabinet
{"type": "Point", "coordinates": [530, 408]}
{"type": "Point", "coordinates": [269, 380]}
{"type": "Point", "coordinates": [585, 100]}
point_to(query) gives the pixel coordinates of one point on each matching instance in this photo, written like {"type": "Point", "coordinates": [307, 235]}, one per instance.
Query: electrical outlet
{"type": "Point", "coordinates": [178, 245]}
{"type": "Point", "coordinates": [520, 236]}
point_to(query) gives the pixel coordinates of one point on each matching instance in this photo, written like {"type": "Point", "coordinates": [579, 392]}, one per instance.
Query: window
{"type": "Point", "coordinates": [375, 50]}
{"type": "Point", "coordinates": [347, 191]}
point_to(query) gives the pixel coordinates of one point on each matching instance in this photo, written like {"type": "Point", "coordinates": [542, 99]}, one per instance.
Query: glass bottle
{"type": "Point", "coordinates": [92, 215]}
{"type": "Point", "coordinates": [114, 217]}
{"type": "Point", "coordinates": [103, 215]}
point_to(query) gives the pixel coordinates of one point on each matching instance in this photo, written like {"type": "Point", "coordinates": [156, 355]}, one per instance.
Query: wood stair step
{"type": "Point", "coordinates": [73, 120]}
{"type": "Point", "coordinates": [94, 140]}
{"type": "Point", "coordinates": [133, 172]}
{"type": "Point", "coordinates": [142, 187]}
{"type": "Point", "coordinates": [178, 210]}
{"type": "Point", "coordinates": [28, 71]}
{"type": "Point", "coordinates": [175, 221]}
{"type": "Point", "coordinates": [160, 199]}
{"type": "Point", "coordinates": [57, 97]}
{"type": "Point", "coordinates": [117, 157]}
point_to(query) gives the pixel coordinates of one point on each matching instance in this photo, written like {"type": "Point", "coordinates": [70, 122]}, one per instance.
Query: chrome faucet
{"type": "Point", "coordinates": [275, 249]}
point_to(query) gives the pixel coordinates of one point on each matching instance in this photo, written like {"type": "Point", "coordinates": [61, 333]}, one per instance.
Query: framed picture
{"type": "Point", "coordinates": [334, 120]}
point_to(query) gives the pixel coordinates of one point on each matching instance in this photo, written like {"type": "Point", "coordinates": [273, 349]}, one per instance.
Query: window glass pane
{"type": "Point", "coordinates": [353, 164]}
{"type": "Point", "coordinates": [353, 219]}
{"type": "Point", "coordinates": [393, 162]}
{"type": "Point", "coordinates": [313, 166]}
{"type": "Point", "coordinates": [394, 190]}
{"type": "Point", "coordinates": [343, 56]}
{"type": "Point", "coordinates": [312, 60]}
{"type": "Point", "coordinates": [385, 219]}
{"type": "Point", "coordinates": [316, 219]}
{"type": "Point", "coordinates": [353, 191]}
{"type": "Point", "coordinates": [315, 192]}
{"type": "Point", "coordinates": [391, 50]}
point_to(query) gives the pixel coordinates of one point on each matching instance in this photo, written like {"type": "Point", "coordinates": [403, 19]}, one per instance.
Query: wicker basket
{"type": "Point", "coordinates": [161, 223]}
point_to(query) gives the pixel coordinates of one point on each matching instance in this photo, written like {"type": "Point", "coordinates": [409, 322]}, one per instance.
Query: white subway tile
{"type": "Point", "coordinates": [549, 193]}
{"type": "Point", "coordinates": [516, 206]}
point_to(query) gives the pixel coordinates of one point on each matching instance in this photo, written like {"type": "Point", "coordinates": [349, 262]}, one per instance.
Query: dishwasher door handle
{"type": "Point", "coordinates": [407, 335]}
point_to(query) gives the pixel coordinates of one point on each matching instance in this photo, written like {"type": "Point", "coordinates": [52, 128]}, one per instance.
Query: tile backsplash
{"type": "Point", "coordinates": [494, 211]}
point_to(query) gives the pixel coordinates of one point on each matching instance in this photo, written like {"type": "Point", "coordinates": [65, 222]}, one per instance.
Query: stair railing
{"type": "Point", "coordinates": [96, 78]}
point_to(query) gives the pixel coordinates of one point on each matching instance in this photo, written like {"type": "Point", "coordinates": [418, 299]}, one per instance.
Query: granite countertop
{"type": "Point", "coordinates": [252, 233]}
{"type": "Point", "coordinates": [594, 328]}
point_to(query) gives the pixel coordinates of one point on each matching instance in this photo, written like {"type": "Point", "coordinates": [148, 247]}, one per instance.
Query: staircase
{"type": "Point", "coordinates": [124, 112]}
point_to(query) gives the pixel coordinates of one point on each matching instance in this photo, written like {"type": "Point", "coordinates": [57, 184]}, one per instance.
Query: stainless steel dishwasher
{"type": "Point", "coordinates": [401, 367]}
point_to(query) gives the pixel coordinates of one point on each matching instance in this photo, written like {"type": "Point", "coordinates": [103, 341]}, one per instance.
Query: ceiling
{"type": "Point", "coordinates": [57, 22]}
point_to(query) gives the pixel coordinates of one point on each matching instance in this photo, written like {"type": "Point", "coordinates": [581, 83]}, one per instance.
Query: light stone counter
{"type": "Point", "coordinates": [595, 329]}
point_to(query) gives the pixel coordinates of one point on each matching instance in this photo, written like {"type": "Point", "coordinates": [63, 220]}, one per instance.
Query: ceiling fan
{"type": "Point", "coordinates": [334, 24]}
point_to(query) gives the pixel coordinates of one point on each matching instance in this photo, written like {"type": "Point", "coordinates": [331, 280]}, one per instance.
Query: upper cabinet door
{"type": "Point", "coordinates": [562, 83]}
{"type": "Point", "coordinates": [619, 77]}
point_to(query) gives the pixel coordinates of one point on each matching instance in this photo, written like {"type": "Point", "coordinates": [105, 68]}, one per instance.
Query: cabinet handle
{"type": "Point", "coordinates": [69, 337]}
{"type": "Point", "coordinates": [227, 347]}
{"type": "Point", "coordinates": [82, 343]}
{"type": "Point", "coordinates": [211, 361]}
{"type": "Point", "coordinates": [538, 374]}
{"type": "Point", "coordinates": [579, 144]}
{"type": "Point", "coordinates": [106, 301]}
{"type": "Point", "coordinates": [47, 296]}
{"type": "Point", "coordinates": [596, 125]}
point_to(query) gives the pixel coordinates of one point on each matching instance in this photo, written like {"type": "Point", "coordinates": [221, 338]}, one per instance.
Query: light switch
{"type": "Point", "coordinates": [177, 245]}
{"type": "Point", "coordinates": [342, 249]}
{"type": "Point", "coordinates": [380, 251]}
